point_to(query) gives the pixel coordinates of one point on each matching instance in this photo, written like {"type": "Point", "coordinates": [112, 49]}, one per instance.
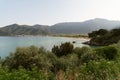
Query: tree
{"type": "Point", "coordinates": [102, 32]}
{"type": "Point", "coordinates": [115, 32]}
{"type": "Point", "coordinates": [63, 49]}
{"type": "Point", "coordinates": [93, 34]}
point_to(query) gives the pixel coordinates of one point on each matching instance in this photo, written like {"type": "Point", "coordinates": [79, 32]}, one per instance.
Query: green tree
{"type": "Point", "coordinates": [63, 50]}
{"type": "Point", "coordinates": [102, 32]}
{"type": "Point", "coordinates": [93, 34]}
{"type": "Point", "coordinates": [115, 32]}
{"type": "Point", "coordinates": [98, 33]}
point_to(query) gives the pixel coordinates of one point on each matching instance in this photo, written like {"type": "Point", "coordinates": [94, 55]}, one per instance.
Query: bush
{"type": "Point", "coordinates": [28, 57]}
{"type": "Point", "coordinates": [102, 70]}
{"type": "Point", "coordinates": [86, 54]}
{"type": "Point", "coordinates": [70, 61]}
{"type": "Point", "coordinates": [82, 51]}
{"type": "Point", "coordinates": [23, 74]}
{"type": "Point", "coordinates": [108, 52]}
{"type": "Point", "coordinates": [34, 63]}
{"type": "Point", "coordinates": [63, 50]}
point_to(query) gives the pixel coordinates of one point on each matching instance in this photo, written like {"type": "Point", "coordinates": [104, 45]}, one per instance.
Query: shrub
{"type": "Point", "coordinates": [85, 54]}
{"type": "Point", "coordinates": [83, 50]}
{"type": "Point", "coordinates": [23, 74]}
{"type": "Point", "coordinates": [27, 57]}
{"type": "Point", "coordinates": [102, 70]}
{"type": "Point", "coordinates": [108, 52]}
{"type": "Point", "coordinates": [63, 50]}
{"type": "Point", "coordinates": [34, 63]}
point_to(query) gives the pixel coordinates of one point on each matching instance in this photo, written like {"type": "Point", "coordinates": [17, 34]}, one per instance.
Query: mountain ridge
{"type": "Point", "coordinates": [83, 27]}
{"type": "Point", "coordinates": [16, 29]}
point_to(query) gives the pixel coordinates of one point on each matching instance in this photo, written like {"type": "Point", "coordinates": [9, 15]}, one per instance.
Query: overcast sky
{"type": "Point", "coordinates": [49, 12]}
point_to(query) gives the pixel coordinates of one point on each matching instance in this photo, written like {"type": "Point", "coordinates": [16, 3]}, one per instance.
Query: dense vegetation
{"type": "Point", "coordinates": [64, 63]}
{"type": "Point", "coordinates": [104, 37]}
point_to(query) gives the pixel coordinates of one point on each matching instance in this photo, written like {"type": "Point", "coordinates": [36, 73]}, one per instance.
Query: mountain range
{"type": "Point", "coordinates": [60, 28]}
{"type": "Point", "coordinates": [16, 29]}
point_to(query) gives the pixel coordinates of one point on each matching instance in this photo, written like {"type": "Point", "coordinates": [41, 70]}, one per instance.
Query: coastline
{"type": "Point", "coordinates": [84, 36]}
{"type": "Point", "coordinates": [53, 35]}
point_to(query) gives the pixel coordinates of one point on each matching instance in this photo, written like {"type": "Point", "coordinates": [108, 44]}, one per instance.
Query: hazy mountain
{"type": "Point", "coordinates": [16, 29]}
{"type": "Point", "coordinates": [3, 33]}
{"type": "Point", "coordinates": [84, 27]}
{"type": "Point", "coordinates": [60, 28]}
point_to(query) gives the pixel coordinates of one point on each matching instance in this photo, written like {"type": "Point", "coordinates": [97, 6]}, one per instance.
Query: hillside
{"type": "Point", "coordinates": [60, 28]}
{"type": "Point", "coordinates": [84, 27]}
{"type": "Point", "coordinates": [16, 29]}
{"type": "Point", "coordinates": [3, 33]}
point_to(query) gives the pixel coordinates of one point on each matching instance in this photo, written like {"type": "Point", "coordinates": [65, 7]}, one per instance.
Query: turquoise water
{"type": "Point", "coordinates": [9, 44]}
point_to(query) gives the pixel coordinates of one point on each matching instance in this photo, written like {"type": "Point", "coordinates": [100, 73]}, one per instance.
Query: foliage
{"type": "Point", "coordinates": [108, 52]}
{"type": "Point", "coordinates": [100, 32]}
{"type": "Point", "coordinates": [34, 63]}
{"type": "Point", "coordinates": [82, 51]}
{"type": "Point", "coordinates": [63, 50]}
{"type": "Point", "coordinates": [102, 70]}
{"type": "Point", "coordinates": [86, 54]}
{"type": "Point", "coordinates": [28, 57]}
{"type": "Point", "coordinates": [103, 37]}
{"type": "Point", "coordinates": [23, 74]}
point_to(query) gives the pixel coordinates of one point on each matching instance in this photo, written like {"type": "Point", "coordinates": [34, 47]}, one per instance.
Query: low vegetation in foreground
{"type": "Point", "coordinates": [64, 62]}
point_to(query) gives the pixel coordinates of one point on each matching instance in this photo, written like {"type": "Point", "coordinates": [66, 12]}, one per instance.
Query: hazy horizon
{"type": "Point", "coordinates": [49, 12]}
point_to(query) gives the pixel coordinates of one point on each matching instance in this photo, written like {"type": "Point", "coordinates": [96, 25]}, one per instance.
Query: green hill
{"type": "Point", "coordinates": [16, 29]}
{"type": "Point", "coordinates": [60, 28]}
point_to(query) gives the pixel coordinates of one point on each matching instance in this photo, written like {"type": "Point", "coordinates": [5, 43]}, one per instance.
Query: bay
{"type": "Point", "coordinates": [9, 44]}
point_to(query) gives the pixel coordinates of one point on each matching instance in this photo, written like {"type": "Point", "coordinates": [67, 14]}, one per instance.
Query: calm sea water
{"type": "Point", "coordinates": [9, 44]}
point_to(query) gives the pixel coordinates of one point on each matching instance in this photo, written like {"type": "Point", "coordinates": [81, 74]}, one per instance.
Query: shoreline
{"type": "Point", "coordinates": [52, 35]}
{"type": "Point", "coordinates": [71, 35]}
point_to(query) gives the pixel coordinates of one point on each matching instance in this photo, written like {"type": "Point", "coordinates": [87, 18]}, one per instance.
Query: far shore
{"type": "Point", "coordinates": [84, 36]}
{"type": "Point", "coordinates": [56, 35]}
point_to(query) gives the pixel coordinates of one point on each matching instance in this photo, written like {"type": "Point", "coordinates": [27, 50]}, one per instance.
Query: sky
{"type": "Point", "coordinates": [49, 12]}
